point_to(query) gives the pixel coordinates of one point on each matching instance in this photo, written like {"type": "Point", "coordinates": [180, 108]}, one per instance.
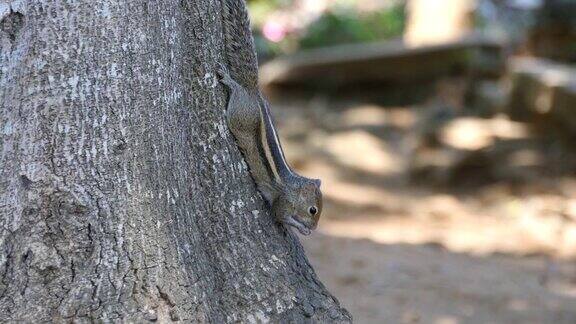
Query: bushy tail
{"type": "Point", "coordinates": [239, 43]}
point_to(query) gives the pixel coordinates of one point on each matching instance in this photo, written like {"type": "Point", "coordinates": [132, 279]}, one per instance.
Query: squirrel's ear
{"type": "Point", "coordinates": [317, 182]}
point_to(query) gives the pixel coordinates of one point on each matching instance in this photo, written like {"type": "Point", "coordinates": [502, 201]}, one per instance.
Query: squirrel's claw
{"type": "Point", "coordinates": [222, 71]}
{"type": "Point", "coordinates": [224, 75]}
{"type": "Point", "coordinates": [303, 229]}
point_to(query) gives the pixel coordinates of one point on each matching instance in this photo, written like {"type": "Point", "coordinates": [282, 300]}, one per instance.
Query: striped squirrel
{"type": "Point", "coordinates": [294, 199]}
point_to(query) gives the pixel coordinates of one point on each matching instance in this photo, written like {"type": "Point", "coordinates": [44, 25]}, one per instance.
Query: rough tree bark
{"type": "Point", "coordinates": [122, 193]}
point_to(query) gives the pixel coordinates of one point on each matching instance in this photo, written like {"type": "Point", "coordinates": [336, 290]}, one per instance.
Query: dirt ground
{"type": "Point", "coordinates": [401, 283]}
{"type": "Point", "coordinates": [477, 229]}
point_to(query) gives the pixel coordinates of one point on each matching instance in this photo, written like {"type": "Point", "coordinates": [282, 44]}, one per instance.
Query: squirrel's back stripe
{"type": "Point", "coordinates": [270, 169]}
{"type": "Point", "coordinates": [268, 153]}
{"type": "Point", "coordinates": [274, 148]}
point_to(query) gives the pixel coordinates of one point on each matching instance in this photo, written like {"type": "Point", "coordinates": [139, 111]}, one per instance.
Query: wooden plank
{"type": "Point", "coordinates": [392, 62]}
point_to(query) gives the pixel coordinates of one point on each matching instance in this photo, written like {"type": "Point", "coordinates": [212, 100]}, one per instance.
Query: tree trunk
{"type": "Point", "coordinates": [438, 21]}
{"type": "Point", "coordinates": [122, 193]}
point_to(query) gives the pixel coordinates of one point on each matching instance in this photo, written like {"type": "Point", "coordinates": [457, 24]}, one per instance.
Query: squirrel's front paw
{"type": "Point", "coordinates": [304, 227]}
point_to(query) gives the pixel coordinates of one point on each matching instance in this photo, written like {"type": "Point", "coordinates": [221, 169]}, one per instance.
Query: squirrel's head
{"type": "Point", "coordinates": [300, 205]}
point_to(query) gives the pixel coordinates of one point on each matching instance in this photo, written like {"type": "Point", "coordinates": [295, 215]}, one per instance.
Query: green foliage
{"type": "Point", "coordinates": [340, 25]}
{"type": "Point", "coordinates": [350, 27]}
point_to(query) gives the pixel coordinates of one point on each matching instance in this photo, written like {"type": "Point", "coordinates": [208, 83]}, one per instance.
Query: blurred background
{"type": "Point", "coordinates": [443, 132]}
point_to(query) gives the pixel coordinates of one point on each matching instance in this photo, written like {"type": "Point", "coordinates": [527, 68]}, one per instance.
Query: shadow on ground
{"type": "Point", "coordinates": [432, 216]}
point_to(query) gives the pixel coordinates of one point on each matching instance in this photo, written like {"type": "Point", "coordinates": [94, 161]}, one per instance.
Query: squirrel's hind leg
{"type": "Point", "coordinates": [243, 114]}
{"type": "Point", "coordinates": [242, 111]}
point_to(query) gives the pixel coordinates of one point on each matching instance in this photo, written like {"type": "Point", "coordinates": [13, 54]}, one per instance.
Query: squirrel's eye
{"type": "Point", "coordinates": [313, 210]}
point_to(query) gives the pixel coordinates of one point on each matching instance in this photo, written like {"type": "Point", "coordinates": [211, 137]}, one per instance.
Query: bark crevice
{"type": "Point", "coordinates": [11, 24]}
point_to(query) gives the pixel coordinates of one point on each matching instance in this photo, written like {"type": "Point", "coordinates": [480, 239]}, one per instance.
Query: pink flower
{"type": "Point", "coordinates": [274, 31]}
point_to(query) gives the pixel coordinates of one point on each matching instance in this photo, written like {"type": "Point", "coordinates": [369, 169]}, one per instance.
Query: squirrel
{"type": "Point", "coordinates": [294, 200]}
